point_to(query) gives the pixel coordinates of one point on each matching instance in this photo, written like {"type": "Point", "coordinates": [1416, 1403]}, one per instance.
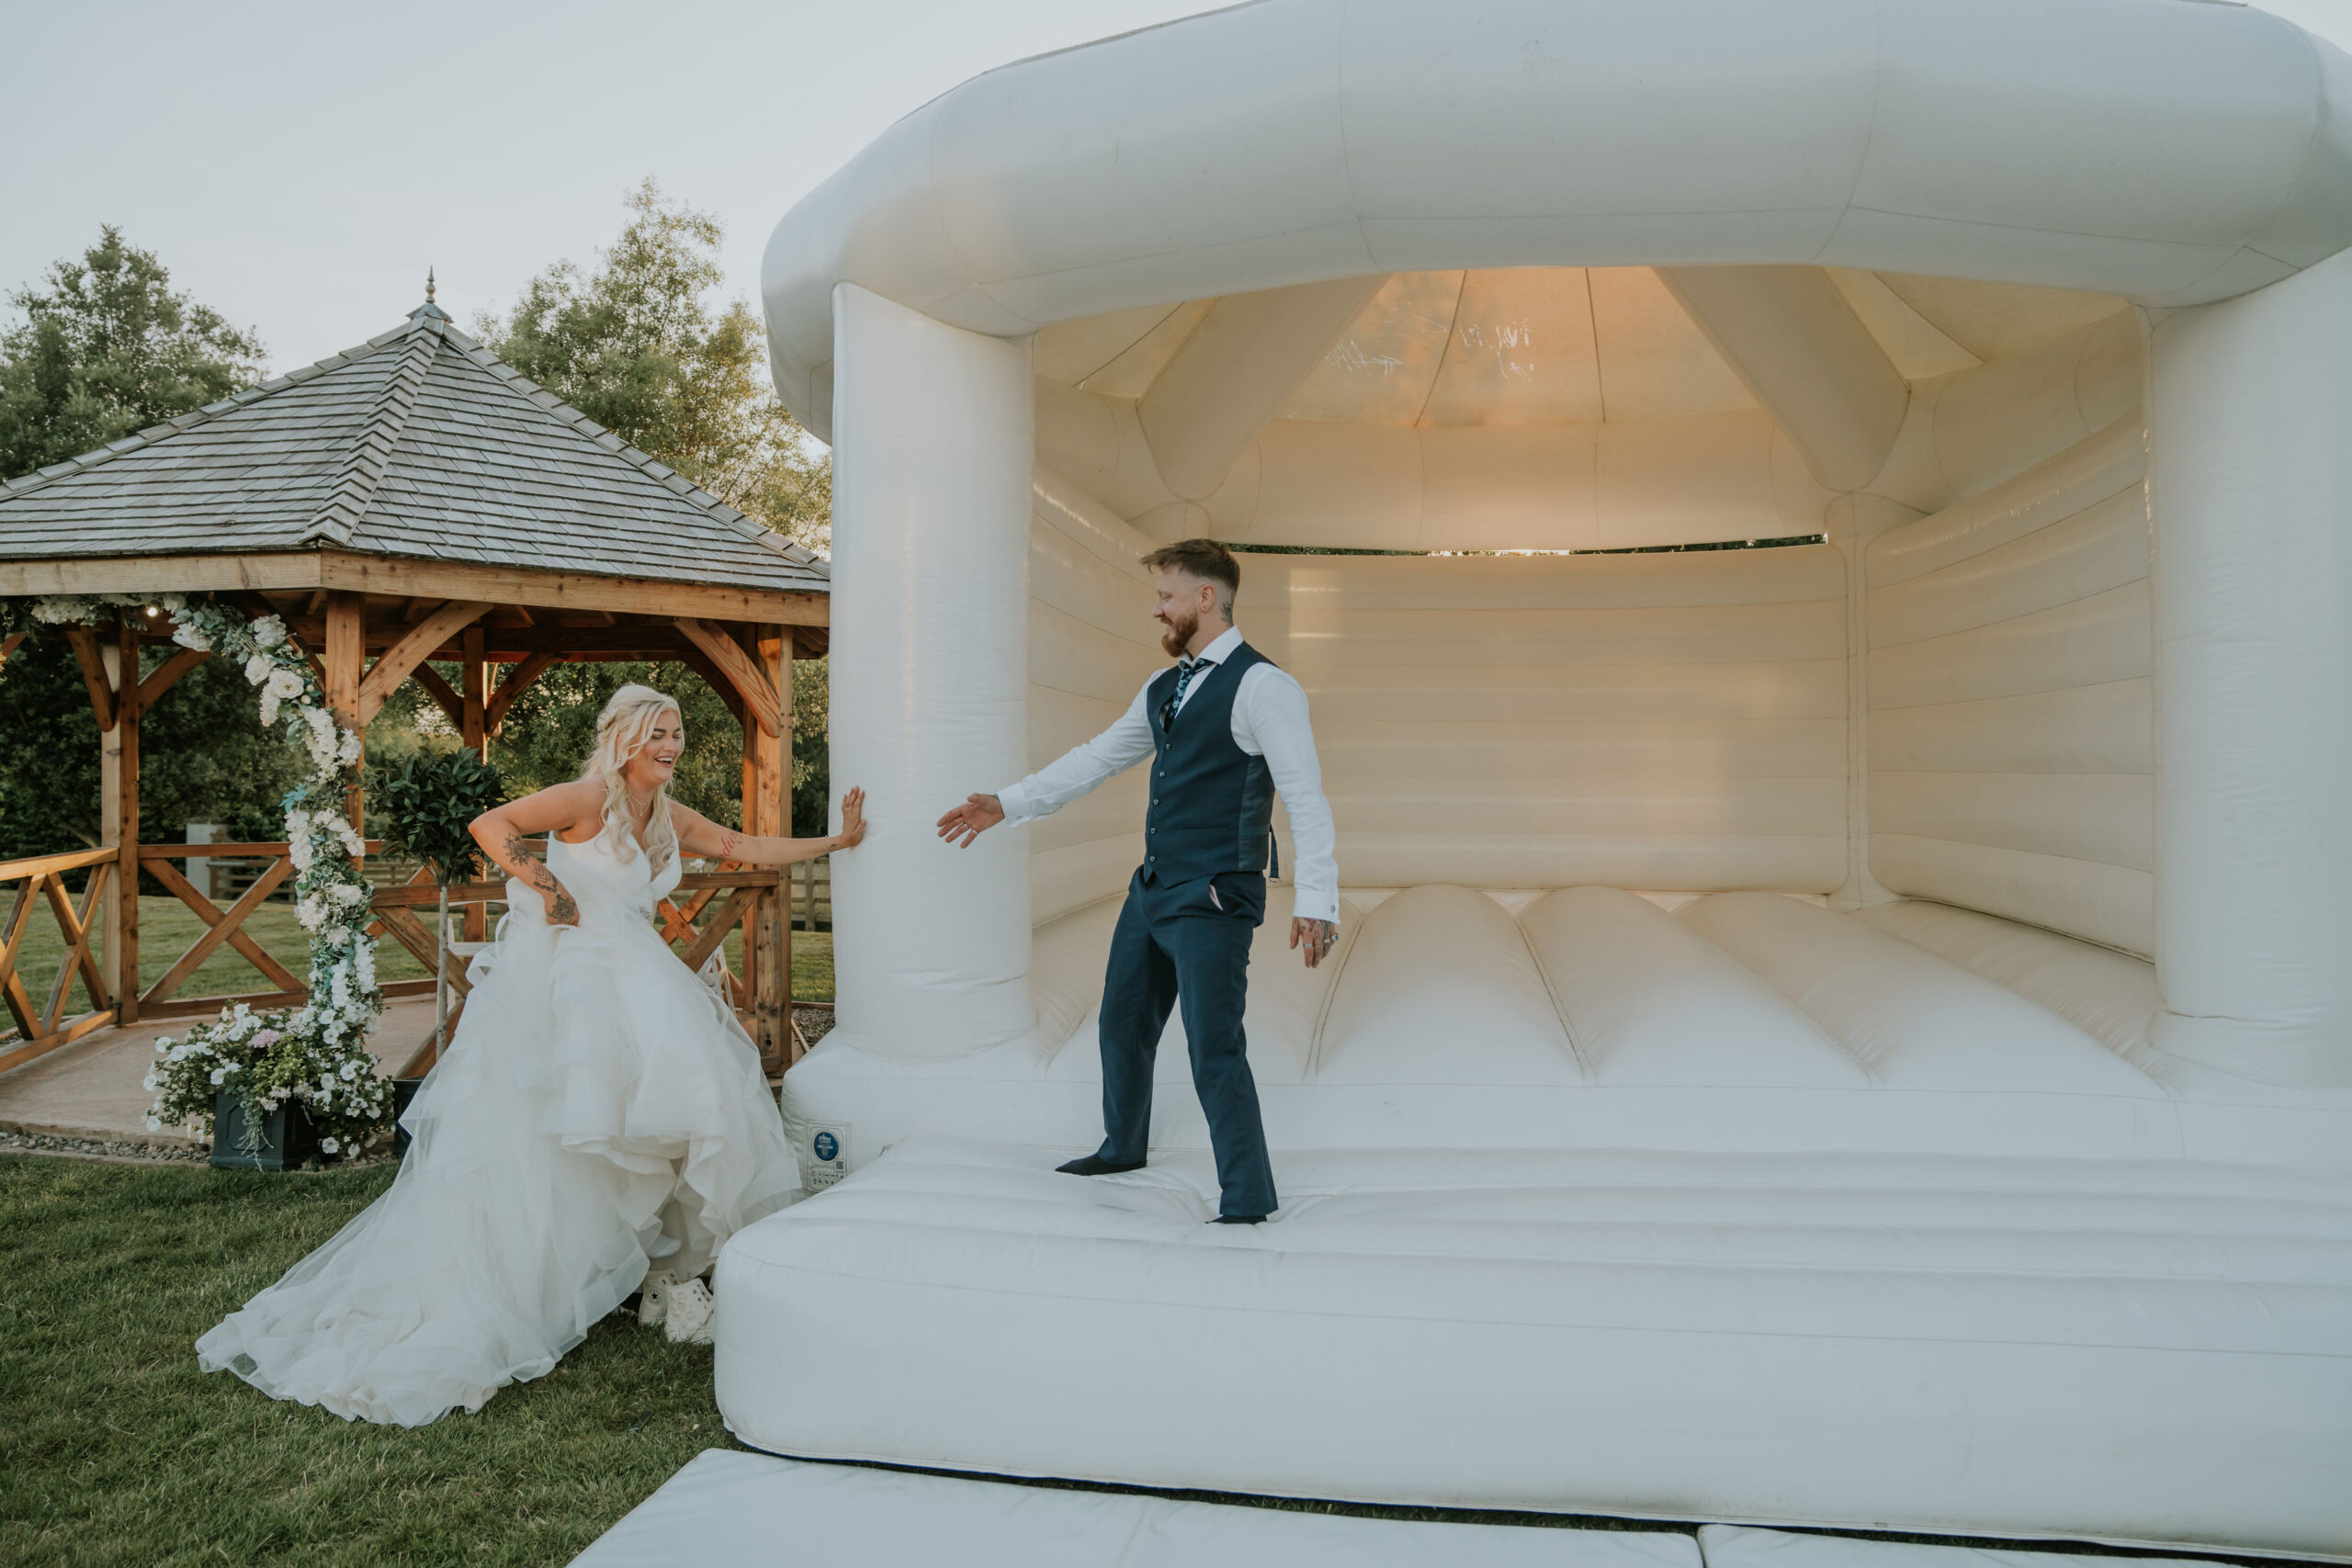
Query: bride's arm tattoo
{"type": "Point", "coordinates": [563, 910]}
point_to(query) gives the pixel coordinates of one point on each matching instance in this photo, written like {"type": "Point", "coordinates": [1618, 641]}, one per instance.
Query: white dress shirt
{"type": "Point", "coordinates": [1268, 720]}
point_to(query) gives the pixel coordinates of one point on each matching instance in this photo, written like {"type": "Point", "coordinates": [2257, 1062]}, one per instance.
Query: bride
{"type": "Point", "coordinates": [598, 1114]}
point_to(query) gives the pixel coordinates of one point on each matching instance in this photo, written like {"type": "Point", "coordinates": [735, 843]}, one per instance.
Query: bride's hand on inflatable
{"type": "Point", "coordinates": [1316, 936]}
{"type": "Point", "coordinates": [557, 899]}
{"type": "Point", "coordinates": [853, 819]}
{"type": "Point", "coordinates": [970, 820]}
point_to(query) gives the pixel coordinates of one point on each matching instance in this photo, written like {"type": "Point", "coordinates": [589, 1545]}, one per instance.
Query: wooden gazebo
{"type": "Point", "coordinates": [411, 500]}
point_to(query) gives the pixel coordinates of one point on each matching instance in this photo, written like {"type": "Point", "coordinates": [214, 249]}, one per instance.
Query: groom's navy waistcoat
{"type": "Point", "coordinates": [1212, 803]}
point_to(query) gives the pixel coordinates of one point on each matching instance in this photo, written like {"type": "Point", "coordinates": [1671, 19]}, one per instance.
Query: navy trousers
{"type": "Point", "coordinates": [1187, 945]}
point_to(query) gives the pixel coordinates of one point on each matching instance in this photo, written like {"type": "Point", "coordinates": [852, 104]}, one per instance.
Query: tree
{"type": "Point", "coordinates": [109, 349]}
{"type": "Point", "coordinates": [636, 346]}
{"type": "Point", "coordinates": [204, 755]}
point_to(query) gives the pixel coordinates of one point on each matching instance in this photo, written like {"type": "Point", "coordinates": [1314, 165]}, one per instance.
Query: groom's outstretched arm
{"type": "Point", "coordinates": [1075, 773]}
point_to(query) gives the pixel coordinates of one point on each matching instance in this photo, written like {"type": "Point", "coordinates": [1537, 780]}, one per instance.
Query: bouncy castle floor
{"type": "Point", "coordinates": [1746, 1211]}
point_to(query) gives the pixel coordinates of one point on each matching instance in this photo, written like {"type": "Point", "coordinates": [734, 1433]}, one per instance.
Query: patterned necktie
{"type": "Point", "coordinates": [1185, 669]}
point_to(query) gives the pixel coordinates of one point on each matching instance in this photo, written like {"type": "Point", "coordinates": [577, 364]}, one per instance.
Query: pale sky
{"type": "Point", "coordinates": [299, 165]}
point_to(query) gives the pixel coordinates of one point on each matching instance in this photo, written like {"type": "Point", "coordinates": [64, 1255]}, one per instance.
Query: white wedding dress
{"type": "Point", "coordinates": [596, 1097]}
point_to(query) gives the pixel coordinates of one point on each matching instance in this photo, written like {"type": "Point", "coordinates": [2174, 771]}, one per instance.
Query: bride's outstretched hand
{"type": "Point", "coordinates": [853, 819]}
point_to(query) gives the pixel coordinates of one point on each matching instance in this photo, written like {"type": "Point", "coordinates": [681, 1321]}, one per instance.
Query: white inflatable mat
{"type": "Point", "coordinates": [1735, 1546]}
{"type": "Point", "coordinates": [735, 1510]}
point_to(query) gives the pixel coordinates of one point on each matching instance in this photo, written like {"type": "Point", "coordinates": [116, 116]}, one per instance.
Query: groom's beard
{"type": "Point", "coordinates": [1178, 637]}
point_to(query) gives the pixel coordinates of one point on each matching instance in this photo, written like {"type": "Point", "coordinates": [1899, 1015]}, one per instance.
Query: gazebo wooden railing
{"type": "Point", "coordinates": [762, 994]}
{"type": "Point", "coordinates": [41, 886]}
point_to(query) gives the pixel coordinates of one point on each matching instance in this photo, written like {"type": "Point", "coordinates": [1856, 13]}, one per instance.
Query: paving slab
{"type": "Point", "coordinates": [93, 1088]}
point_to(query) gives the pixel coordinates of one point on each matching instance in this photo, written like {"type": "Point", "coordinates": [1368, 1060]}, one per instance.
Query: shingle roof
{"type": "Point", "coordinates": [419, 443]}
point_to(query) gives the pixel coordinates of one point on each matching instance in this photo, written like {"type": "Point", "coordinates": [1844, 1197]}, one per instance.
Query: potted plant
{"type": "Point", "coordinates": [423, 809]}
{"type": "Point", "coordinates": [275, 1088]}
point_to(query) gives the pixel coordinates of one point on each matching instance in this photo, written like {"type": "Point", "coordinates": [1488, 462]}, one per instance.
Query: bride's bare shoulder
{"type": "Point", "coordinates": [558, 807]}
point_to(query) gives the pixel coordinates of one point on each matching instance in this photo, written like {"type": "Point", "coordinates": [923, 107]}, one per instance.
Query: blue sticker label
{"type": "Point", "coordinates": [827, 1146]}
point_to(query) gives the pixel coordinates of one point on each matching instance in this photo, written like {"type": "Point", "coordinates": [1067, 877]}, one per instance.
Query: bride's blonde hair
{"type": "Point", "coordinates": [621, 732]}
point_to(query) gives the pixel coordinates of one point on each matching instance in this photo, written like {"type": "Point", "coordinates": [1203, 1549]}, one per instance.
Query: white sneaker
{"type": "Point", "coordinates": [653, 1297]}
{"type": "Point", "coordinates": [687, 1312]}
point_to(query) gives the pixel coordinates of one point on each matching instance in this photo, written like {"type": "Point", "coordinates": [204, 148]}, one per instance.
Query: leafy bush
{"type": "Point", "coordinates": [423, 809]}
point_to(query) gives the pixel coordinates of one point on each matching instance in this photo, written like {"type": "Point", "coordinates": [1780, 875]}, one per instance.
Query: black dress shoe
{"type": "Point", "coordinates": [1238, 1219]}
{"type": "Point", "coordinates": [1095, 1165]}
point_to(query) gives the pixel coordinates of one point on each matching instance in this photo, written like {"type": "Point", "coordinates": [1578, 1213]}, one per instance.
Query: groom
{"type": "Point", "coordinates": [1227, 730]}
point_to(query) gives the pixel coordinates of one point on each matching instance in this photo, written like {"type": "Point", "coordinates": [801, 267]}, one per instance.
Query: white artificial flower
{"type": "Point", "coordinates": [150, 1084]}
{"type": "Point", "coordinates": [349, 1071]}
{"type": "Point", "coordinates": [258, 667]}
{"type": "Point", "coordinates": [269, 631]}
{"type": "Point", "coordinates": [188, 636]}
{"type": "Point", "coordinates": [328, 1146]}
{"type": "Point", "coordinates": [155, 1123]}
{"type": "Point", "coordinates": [164, 1046]}
{"type": "Point", "coordinates": [220, 1075]}
{"type": "Point", "coordinates": [284, 685]}
{"type": "Point", "coordinates": [268, 710]}
{"type": "Point", "coordinates": [312, 913]}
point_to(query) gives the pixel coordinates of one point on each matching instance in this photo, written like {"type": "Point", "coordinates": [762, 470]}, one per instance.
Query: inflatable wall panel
{"type": "Point", "coordinates": [1666, 721]}
{"type": "Point", "coordinates": [2012, 753]}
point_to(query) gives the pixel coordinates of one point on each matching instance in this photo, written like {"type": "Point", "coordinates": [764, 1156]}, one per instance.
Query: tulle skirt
{"type": "Point", "coordinates": [596, 1097]}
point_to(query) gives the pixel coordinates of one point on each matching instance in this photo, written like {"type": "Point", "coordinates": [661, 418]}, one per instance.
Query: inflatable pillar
{"type": "Point", "coordinates": [932, 442]}
{"type": "Point", "coordinates": [2251, 480]}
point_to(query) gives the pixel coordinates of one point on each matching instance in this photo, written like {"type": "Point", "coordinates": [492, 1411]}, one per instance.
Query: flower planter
{"type": "Point", "coordinates": [288, 1139]}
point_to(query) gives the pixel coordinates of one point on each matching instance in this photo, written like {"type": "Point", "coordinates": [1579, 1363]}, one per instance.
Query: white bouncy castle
{"type": "Point", "coordinates": [1855, 1030]}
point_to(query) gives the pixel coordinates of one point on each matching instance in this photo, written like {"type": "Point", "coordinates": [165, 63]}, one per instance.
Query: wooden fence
{"type": "Point", "coordinates": [753, 902]}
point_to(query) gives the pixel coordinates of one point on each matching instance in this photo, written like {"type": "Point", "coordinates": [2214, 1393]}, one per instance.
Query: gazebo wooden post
{"type": "Point", "coordinates": [126, 804]}
{"type": "Point", "coordinates": [473, 686]}
{"type": "Point", "coordinates": [345, 658]}
{"type": "Point", "coordinates": [775, 655]}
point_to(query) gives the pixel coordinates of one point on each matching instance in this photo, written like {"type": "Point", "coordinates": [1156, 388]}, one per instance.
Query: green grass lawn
{"type": "Point", "coordinates": [114, 1449]}
{"type": "Point", "coordinates": [167, 928]}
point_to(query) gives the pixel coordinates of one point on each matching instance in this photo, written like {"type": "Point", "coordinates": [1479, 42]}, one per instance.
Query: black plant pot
{"type": "Point", "coordinates": [288, 1139]}
{"type": "Point", "coordinates": [403, 1090]}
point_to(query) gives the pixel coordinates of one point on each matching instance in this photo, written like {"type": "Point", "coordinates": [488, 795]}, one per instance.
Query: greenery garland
{"type": "Point", "coordinates": [315, 1054]}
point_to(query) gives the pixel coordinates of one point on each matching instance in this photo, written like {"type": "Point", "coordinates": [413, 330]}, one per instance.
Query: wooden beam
{"type": "Point", "coordinates": [94, 674]}
{"type": "Point", "coordinates": [214, 920]}
{"type": "Point", "coordinates": [573, 591]}
{"type": "Point", "coordinates": [444, 694]}
{"type": "Point", "coordinates": [159, 679]}
{"type": "Point", "coordinates": [73, 860]}
{"type": "Point", "coordinates": [473, 675]}
{"type": "Point", "coordinates": [78, 928]}
{"type": "Point", "coordinates": [221, 929]}
{"type": "Point", "coordinates": [344, 656]}
{"type": "Point", "coordinates": [340, 667]}
{"type": "Point", "coordinates": [10, 643]}
{"type": "Point", "coordinates": [749, 681]}
{"type": "Point", "coordinates": [312, 569]}
{"type": "Point", "coordinates": [125, 926]}
{"type": "Point", "coordinates": [695, 659]}
{"type": "Point", "coordinates": [519, 681]}
{"type": "Point", "coordinates": [412, 651]}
